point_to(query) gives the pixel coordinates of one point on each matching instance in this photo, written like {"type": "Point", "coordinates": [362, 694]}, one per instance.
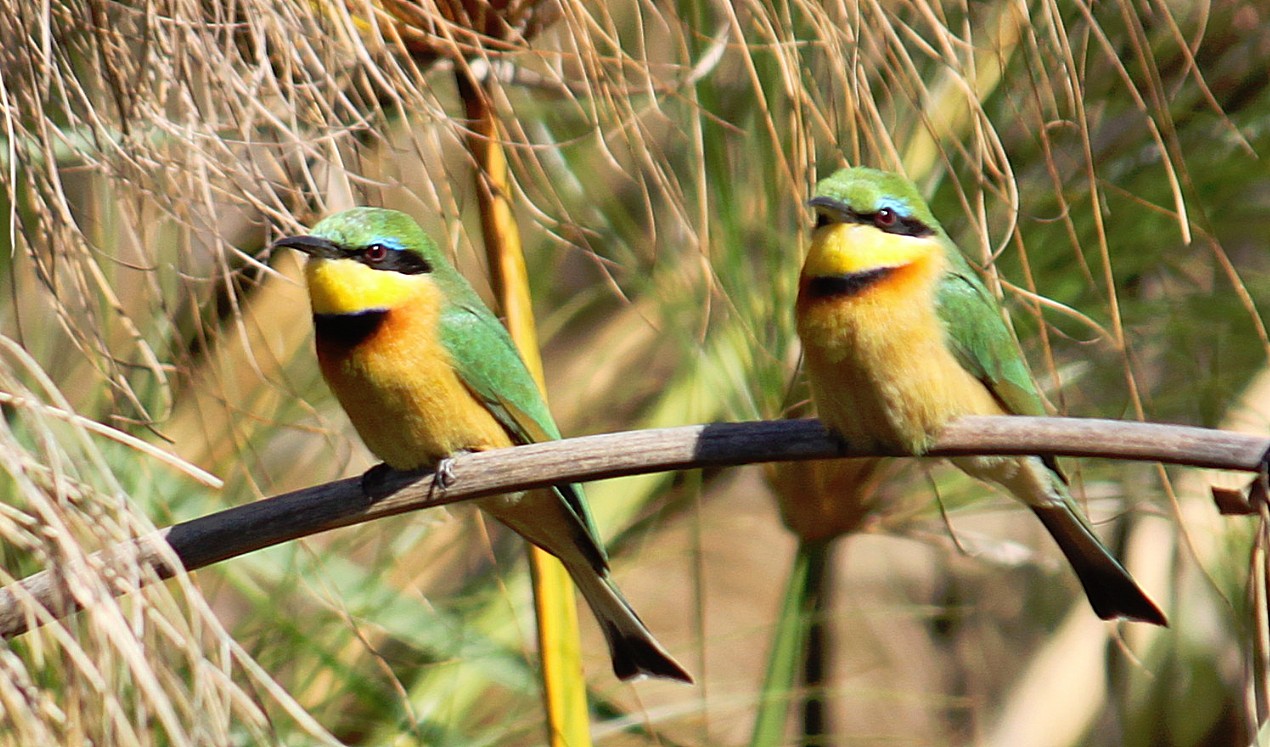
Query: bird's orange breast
{"type": "Point", "coordinates": [878, 360]}
{"type": "Point", "coordinates": [399, 386]}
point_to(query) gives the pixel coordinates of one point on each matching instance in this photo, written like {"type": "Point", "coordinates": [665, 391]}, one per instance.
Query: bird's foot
{"type": "Point", "coordinates": [445, 474]}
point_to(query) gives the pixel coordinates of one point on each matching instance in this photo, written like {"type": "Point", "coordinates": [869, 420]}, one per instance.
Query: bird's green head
{"type": "Point", "coordinates": [887, 201]}
{"type": "Point", "coordinates": [869, 222]}
{"type": "Point", "coordinates": [368, 258]}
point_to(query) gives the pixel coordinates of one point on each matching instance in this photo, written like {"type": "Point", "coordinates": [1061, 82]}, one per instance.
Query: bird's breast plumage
{"type": "Point", "coordinates": [400, 387]}
{"type": "Point", "coordinates": [878, 360]}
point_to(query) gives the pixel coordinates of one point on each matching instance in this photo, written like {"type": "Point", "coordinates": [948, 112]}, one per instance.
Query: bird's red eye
{"type": "Point", "coordinates": [375, 253]}
{"type": "Point", "coordinates": [885, 218]}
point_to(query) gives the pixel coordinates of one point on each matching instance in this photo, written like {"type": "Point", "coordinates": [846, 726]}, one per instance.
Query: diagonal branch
{"type": "Point", "coordinates": [47, 595]}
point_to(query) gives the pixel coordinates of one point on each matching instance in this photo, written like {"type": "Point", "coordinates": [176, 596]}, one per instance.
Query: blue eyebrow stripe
{"type": "Point", "coordinates": [899, 206]}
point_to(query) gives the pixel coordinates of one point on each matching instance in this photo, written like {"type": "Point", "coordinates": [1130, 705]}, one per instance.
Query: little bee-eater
{"type": "Point", "coordinates": [425, 371]}
{"type": "Point", "coordinates": [900, 336]}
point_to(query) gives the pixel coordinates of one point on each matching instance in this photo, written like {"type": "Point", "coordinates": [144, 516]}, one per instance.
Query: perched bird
{"type": "Point", "coordinates": [425, 371]}
{"type": "Point", "coordinates": [900, 336]}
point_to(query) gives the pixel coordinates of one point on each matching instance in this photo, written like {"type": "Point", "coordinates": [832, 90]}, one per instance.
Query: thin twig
{"type": "Point", "coordinates": [45, 596]}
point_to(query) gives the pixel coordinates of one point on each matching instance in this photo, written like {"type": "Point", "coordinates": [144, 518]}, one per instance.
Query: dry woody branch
{"type": "Point", "coordinates": [45, 597]}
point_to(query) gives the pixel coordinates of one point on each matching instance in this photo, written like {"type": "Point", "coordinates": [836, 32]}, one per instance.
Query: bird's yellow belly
{"type": "Point", "coordinates": [403, 396]}
{"type": "Point", "coordinates": [881, 371]}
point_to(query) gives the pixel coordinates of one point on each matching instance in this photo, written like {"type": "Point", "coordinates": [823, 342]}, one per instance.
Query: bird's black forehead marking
{"type": "Point", "coordinates": [849, 285]}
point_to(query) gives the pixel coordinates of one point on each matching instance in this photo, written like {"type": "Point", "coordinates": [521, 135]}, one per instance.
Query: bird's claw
{"type": "Point", "coordinates": [444, 476]}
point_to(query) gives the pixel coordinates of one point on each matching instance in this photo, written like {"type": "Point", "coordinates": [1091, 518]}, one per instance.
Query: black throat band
{"type": "Point", "coordinates": [348, 330]}
{"type": "Point", "coordinates": [845, 286]}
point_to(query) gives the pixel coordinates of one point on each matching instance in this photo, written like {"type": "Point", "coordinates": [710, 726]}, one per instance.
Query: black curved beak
{"type": "Point", "coordinates": [312, 246]}
{"type": "Point", "coordinates": [830, 205]}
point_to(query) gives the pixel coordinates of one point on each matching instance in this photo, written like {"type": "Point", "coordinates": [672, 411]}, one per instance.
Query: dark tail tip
{"type": "Point", "coordinates": [636, 656]}
{"type": "Point", "coordinates": [1112, 592]}
{"type": "Point", "coordinates": [1112, 599]}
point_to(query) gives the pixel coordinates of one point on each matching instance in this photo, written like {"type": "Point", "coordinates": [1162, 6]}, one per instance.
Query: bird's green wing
{"type": "Point", "coordinates": [985, 347]}
{"type": "Point", "coordinates": [486, 360]}
{"type": "Point", "coordinates": [981, 341]}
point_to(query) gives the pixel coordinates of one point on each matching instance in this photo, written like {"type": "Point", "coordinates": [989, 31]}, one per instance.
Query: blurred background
{"type": "Point", "coordinates": [1100, 161]}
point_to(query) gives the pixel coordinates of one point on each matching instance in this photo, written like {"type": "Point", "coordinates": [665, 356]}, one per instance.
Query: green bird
{"type": "Point", "coordinates": [425, 371]}
{"type": "Point", "coordinates": [900, 336]}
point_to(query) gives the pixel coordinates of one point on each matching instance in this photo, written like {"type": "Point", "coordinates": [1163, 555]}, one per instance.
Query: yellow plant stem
{"type": "Point", "coordinates": [564, 688]}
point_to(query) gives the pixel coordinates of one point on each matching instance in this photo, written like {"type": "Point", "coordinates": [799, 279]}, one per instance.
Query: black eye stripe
{"type": "Point", "coordinates": [902, 225]}
{"type": "Point", "coordinates": [393, 260]}
{"type": "Point", "coordinates": [906, 226]}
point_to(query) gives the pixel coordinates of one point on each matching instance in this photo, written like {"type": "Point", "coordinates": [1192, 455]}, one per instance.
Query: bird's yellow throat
{"type": "Point", "coordinates": [346, 286]}
{"type": "Point", "coordinates": [849, 248]}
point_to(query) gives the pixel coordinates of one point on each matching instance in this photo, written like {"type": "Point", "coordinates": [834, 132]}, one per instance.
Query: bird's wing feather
{"type": "Point", "coordinates": [985, 347]}
{"type": "Point", "coordinates": [983, 344]}
{"type": "Point", "coordinates": [486, 360]}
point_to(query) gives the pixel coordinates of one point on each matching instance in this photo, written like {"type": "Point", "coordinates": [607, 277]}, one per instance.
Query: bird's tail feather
{"type": "Point", "coordinates": [548, 522]}
{"type": "Point", "coordinates": [632, 647]}
{"type": "Point", "coordinates": [1112, 592]}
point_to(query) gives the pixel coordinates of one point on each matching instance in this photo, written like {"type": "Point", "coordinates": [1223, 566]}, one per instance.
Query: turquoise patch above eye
{"type": "Point", "coordinates": [900, 208]}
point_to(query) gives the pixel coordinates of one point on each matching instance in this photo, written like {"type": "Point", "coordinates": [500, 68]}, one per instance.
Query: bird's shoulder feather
{"type": "Point", "coordinates": [982, 342]}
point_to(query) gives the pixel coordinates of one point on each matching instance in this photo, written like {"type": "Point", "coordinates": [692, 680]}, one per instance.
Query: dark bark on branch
{"type": "Point", "coordinates": [45, 596]}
